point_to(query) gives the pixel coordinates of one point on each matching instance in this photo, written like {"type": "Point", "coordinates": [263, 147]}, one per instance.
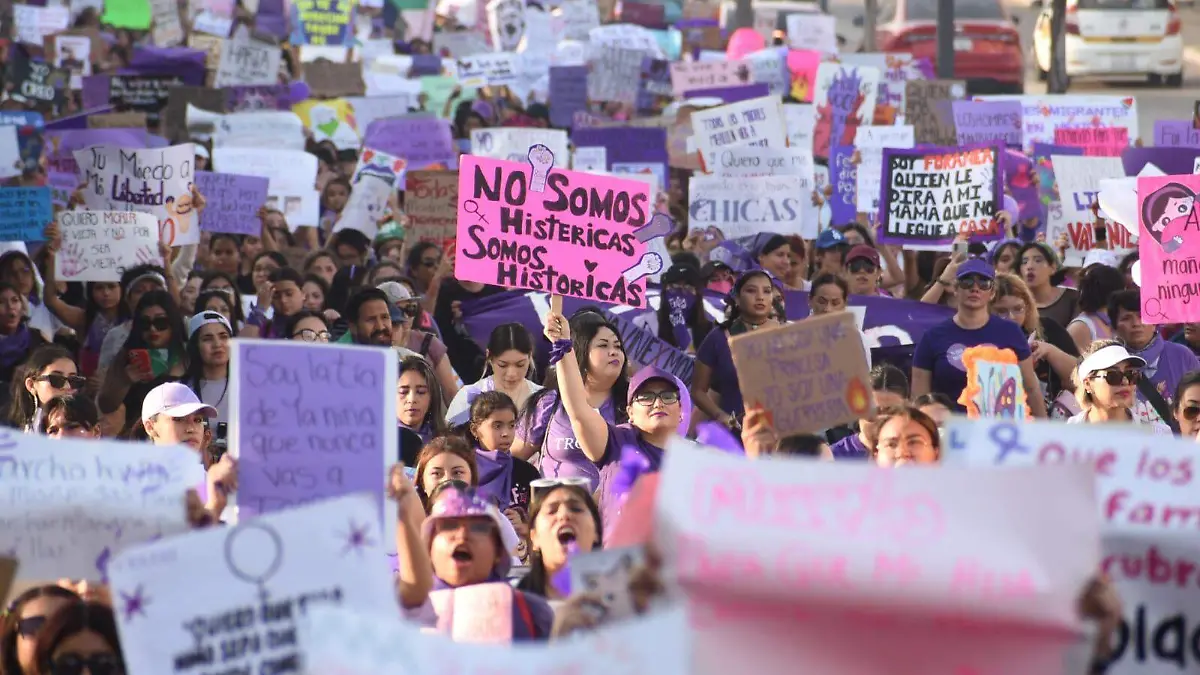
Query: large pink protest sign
{"type": "Point", "coordinates": [1169, 247]}
{"type": "Point", "coordinates": [528, 225]}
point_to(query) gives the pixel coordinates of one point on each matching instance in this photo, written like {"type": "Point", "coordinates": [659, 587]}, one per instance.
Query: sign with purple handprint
{"type": "Point", "coordinates": [100, 245]}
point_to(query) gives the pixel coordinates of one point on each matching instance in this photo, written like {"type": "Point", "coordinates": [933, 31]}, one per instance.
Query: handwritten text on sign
{"type": "Point", "coordinates": [233, 202]}
{"type": "Point", "coordinates": [1169, 244]}
{"type": "Point", "coordinates": [1150, 510]}
{"type": "Point", "coordinates": [227, 599]}
{"type": "Point", "coordinates": [810, 374]}
{"type": "Point", "coordinates": [69, 505]}
{"type": "Point", "coordinates": [101, 245]}
{"type": "Point", "coordinates": [157, 181]}
{"type": "Point", "coordinates": [312, 422]}
{"type": "Point", "coordinates": [24, 212]}
{"type": "Point", "coordinates": [932, 195]}
{"type": "Point", "coordinates": [583, 235]}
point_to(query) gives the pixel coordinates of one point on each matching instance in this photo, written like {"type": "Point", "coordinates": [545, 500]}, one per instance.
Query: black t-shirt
{"type": "Point", "coordinates": [465, 355]}
{"type": "Point", "coordinates": [410, 446]}
{"type": "Point", "coordinates": [1058, 336]}
{"type": "Point", "coordinates": [523, 474]}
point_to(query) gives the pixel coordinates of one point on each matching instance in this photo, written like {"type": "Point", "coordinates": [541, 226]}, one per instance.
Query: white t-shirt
{"type": "Point", "coordinates": [214, 393]}
{"type": "Point", "coordinates": [1154, 427]}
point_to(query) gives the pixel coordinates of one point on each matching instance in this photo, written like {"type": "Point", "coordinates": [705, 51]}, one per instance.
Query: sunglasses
{"type": "Point", "coordinates": [30, 625]}
{"type": "Point", "coordinates": [1115, 377]}
{"type": "Point", "coordinates": [982, 283]}
{"type": "Point", "coordinates": [310, 335]}
{"type": "Point", "coordinates": [547, 484]}
{"type": "Point", "coordinates": [411, 311]}
{"type": "Point", "coordinates": [1190, 413]}
{"type": "Point", "coordinates": [158, 323]}
{"type": "Point", "coordinates": [859, 266]}
{"type": "Point", "coordinates": [73, 664]}
{"type": "Point", "coordinates": [63, 381]}
{"type": "Point", "coordinates": [648, 398]}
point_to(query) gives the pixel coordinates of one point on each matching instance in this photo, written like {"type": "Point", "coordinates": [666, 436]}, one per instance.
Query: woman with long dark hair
{"type": "Point", "coordinates": [1096, 286]}
{"type": "Point", "coordinates": [750, 306]}
{"type": "Point", "coordinates": [80, 637]}
{"type": "Point", "coordinates": [104, 308]}
{"type": "Point", "coordinates": [509, 365]}
{"type": "Point", "coordinates": [564, 520]}
{"type": "Point", "coordinates": [208, 352]}
{"type": "Point", "coordinates": [545, 428]}
{"type": "Point", "coordinates": [680, 320]}
{"type": "Point", "coordinates": [17, 339]}
{"type": "Point", "coordinates": [50, 371]}
{"type": "Point", "coordinates": [21, 623]}
{"type": "Point", "coordinates": [154, 352]}
{"type": "Point", "coordinates": [419, 403]}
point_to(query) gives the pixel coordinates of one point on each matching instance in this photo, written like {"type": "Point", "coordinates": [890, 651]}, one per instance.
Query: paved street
{"type": "Point", "coordinates": [1154, 103]}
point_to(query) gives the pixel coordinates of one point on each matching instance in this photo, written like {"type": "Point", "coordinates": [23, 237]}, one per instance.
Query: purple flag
{"type": "Point", "coordinates": [62, 144]}
{"type": "Point", "coordinates": [743, 92]}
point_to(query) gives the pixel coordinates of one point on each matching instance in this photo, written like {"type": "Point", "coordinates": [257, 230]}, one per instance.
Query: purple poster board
{"type": "Point", "coordinates": [233, 202]}
{"type": "Point", "coordinates": [627, 145]}
{"type": "Point", "coordinates": [312, 422]}
{"type": "Point", "coordinates": [422, 140]}
{"type": "Point", "coordinates": [1173, 161]}
{"type": "Point", "coordinates": [568, 94]}
{"type": "Point", "coordinates": [843, 176]}
{"type": "Point", "coordinates": [62, 144]}
{"type": "Point", "coordinates": [731, 94]}
{"type": "Point", "coordinates": [986, 122]}
{"type": "Point", "coordinates": [1176, 134]}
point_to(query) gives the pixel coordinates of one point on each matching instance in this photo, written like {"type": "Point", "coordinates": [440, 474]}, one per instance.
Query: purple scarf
{"type": "Point", "coordinates": [495, 476]}
{"type": "Point", "coordinates": [679, 306]}
{"type": "Point", "coordinates": [14, 348]}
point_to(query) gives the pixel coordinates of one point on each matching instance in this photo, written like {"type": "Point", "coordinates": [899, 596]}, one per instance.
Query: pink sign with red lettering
{"type": "Point", "coordinates": [529, 225]}
{"type": "Point", "coordinates": [786, 566]}
{"type": "Point", "coordinates": [1169, 247]}
{"type": "Point", "coordinates": [1095, 141]}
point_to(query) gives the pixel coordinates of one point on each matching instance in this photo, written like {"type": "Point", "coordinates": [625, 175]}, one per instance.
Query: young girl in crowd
{"type": "Point", "coordinates": [442, 459]}
{"type": "Point", "coordinates": [208, 349]}
{"type": "Point", "coordinates": [50, 371]}
{"type": "Point", "coordinates": [71, 416]}
{"type": "Point", "coordinates": [503, 479]}
{"type": "Point", "coordinates": [155, 348]}
{"type": "Point", "coordinates": [23, 619]}
{"type": "Point", "coordinates": [905, 435]}
{"type": "Point", "coordinates": [564, 521]}
{"type": "Point", "coordinates": [889, 387]}
{"type": "Point", "coordinates": [1096, 286]}
{"type": "Point", "coordinates": [546, 429]}
{"type": "Point", "coordinates": [419, 402]}
{"type": "Point", "coordinates": [1039, 266]}
{"type": "Point", "coordinates": [17, 340]}
{"type": "Point", "coordinates": [509, 360]}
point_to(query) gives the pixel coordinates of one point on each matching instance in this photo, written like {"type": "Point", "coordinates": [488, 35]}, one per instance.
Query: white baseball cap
{"type": "Point", "coordinates": [1106, 358]}
{"type": "Point", "coordinates": [174, 400]}
{"type": "Point", "coordinates": [1100, 256]}
{"type": "Point", "coordinates": [204, 318]}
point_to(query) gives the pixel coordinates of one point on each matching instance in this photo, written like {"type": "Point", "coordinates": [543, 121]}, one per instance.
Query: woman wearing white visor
{"type": "Point", "coordinates": [1106, 384]}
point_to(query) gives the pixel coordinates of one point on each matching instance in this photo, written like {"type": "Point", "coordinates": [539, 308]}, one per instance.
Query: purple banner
{"type": "Point", "coordinates": [422, 141]}
{"type": "Point", "coordinates": [184, 62]}
{"type": "Point", "coordinates": [568, 94]}
{"type": "Point", "coordinates": [1172, 161]}
{"type": "Point", "coordinates": [843, 176]}
{"type": "Point", "coordinates": [731, 94]}
{"type": "Point", "coordinates": [61, 144]}
{"type": "Point", "coordinates": [988, 122]}
{"type": "Point", "coordinates": [233, 202]}
{"type": "Point", "coordinates": [632, 145]}
{"type": "Point", "coordinates": [426, 64]}
{"type": "Point", "coordinates": [1176, 134]}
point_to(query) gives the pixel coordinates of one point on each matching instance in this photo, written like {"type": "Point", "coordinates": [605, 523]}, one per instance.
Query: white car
{"type": "Point", "coordinates": [1116, 38]}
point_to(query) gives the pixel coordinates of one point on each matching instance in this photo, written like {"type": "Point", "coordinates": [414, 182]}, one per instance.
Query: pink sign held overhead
{"type": "Point", "coordinates": [1169, 247]}
{"type": "Point", "coordinates": [1095, 141]}
{"type": "Point", "coordinates": [529, 225]}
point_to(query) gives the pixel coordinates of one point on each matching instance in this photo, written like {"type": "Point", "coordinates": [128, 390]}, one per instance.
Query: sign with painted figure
{"type": "Point", "coordinates": [1169, 247]}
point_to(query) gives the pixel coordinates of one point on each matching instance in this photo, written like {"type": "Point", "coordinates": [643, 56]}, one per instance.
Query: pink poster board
{"type": "Point", "coordinates": [562, 232]}
{"type": "Point", "coordinates": [481, 613]}
{"type": "Point", "coordinates": [1169, 246]}
{"type": "Point", "coordinates": [1095, 141]}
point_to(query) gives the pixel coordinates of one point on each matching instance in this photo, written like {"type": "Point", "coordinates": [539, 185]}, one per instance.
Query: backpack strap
{"type": "Point", "coordinates": [526, 614]}
{"type": "Point", "coordinates": [425, 344]}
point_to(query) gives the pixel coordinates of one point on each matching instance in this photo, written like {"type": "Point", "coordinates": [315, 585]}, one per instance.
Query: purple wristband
{"type": "Point", "coordinates": [560, 349]}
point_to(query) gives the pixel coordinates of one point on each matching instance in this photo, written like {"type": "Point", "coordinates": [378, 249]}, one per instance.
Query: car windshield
{"type": "Point", "coordinates": [1124, 4]}
{"type": "Point", "coordinates": [926, 10]}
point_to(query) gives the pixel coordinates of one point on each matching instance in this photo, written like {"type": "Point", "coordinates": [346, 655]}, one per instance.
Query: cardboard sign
{"type": "Point", "coordinates": [157, 181]}
{"type": "Point", "coordinates": [100, 245]}
{"type": "Point", "coordinates": [246, 62]}
{"type": "Point", "coordinates": [932, 195]}
{"type": "Point", "coordinates": [122, 120]}
{"type": "Point", "coordinates": [24, 213]}
{"type": "Point", "coordinates": [233, 202]}
{"type": "Point", "coordinates": [933, 123]}
{"type": "Point", "coordinates": [247, 586]}
{"type": "Point", "coordinates": [691, 75]}
{"type": "Point", "coordinates": [1095, 141]}
{"type": "Point", "coordinates": [481, 613]}
{"type": "Point", "coordinates": [327, 79]}
{"type": "Point", "coordinates": [743, 206]}
{"type": "Point", "coordinates": [1169, 246]}
{"type": "Point", "coordinates": [70, 505]}
{"type": "Point", "coordinates": [431, 204]}
{"type": "Point", "coordinates": [757, 122]}
{"type": "Point", "coordinates": [809, 375]}
{"type": "Point", "coordinates": [824, 546]}
{"type": "Point", "coordinates": [517, 227]}
{"type": "Point", "coordinates": [312, 422]}
{"type": "Point", "coordinates": [1145, 502]}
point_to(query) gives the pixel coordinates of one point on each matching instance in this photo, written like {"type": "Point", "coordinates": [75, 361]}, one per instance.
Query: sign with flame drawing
{"type": "Point", "coordinates": [994, 385]}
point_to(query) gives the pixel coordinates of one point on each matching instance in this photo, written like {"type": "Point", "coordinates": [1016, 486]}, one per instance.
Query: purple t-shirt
{"type": "Point", "coordinates": [1166, 364]}
{"type": "Point", "coordinates": [714, 353]}
{"type": "Point", "coordinates": [850, 447]}
{"type": "Point", "coordinates": [941, 348]}
{"type": "Point", "coordinates": [621, 436]}
{"type": "Point", "coordinates": [561, 456]}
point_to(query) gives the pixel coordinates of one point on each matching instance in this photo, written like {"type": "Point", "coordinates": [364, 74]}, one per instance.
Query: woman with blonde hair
{"type": "Point", "coordinates": [1106, 385]}
{"type": "Point", "coordinates": [1054, 352]}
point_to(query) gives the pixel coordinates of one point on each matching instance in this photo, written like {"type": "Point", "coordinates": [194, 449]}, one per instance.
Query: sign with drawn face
{"type": "Point", "coordinates": [1169, 246]}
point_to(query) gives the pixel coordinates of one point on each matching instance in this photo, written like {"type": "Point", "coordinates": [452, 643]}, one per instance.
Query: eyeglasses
{"type": "Point", "coordinates": [648, 398]}
{"type": "Point", "coordinates": [982, 283]}
{"type": "Point", "coordinates": [476, 526]}
{"type": "Point", "coordinates": [547, 484]}
{"type": "Point", "coordinates": [30, 625]}
{"type": "Point", "coordinates": [1116, 377]}
{"type": "Point", "coordinates": [63, 381]}
{"type": "Point", "coordinates": [1008, 313]}
{"type": "Point", "coordinates": [859, 266]}
{"type": "Point", "coordinates": [99, 664]}
{"type": "Point", "coordinates": [310, 335]}
{"type": "Point", "coordinates": [1190, 413]}
{"type": "Point", "coordinates": [158, 323]}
